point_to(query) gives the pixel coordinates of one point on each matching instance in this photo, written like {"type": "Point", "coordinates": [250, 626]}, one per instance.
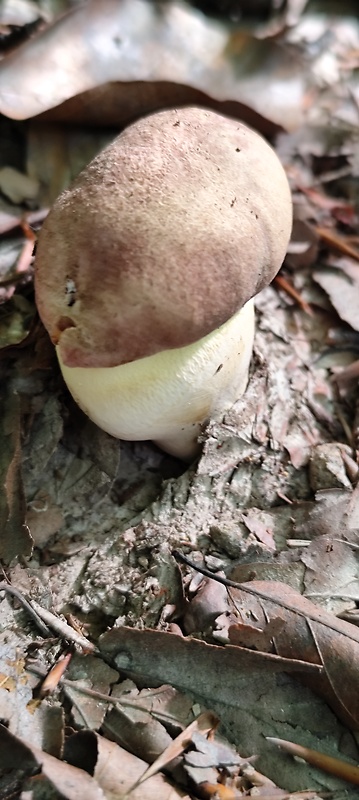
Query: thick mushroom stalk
{"type": "Point", "coordinates": [146, 268]}
{"type": "Point", "coordinates": [170, 394]}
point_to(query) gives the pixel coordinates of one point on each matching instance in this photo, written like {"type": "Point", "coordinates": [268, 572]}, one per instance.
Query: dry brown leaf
{"type": "Point", "coordinates": [116, 770]}
{"type": "Point", "coordinates": [307, 633]}
{"type": "Point", "coordinates": [131, 724]}
{"type": "Point", "coordinates": [253, 522]}
{"type": "Point", "coordinates": [340, 280]}
{"type": "Point", "coordinates": [209, 601]}
{"type": "Point", "coordinates": [68, 781]}
{"type": "Point", "coordinates": [239, 686]}
{"type": "Point", "coordinates": [140, 720]}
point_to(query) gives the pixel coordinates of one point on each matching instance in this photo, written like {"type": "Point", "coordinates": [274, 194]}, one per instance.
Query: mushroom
{"type": "Point", "coordinates": [146, 269]}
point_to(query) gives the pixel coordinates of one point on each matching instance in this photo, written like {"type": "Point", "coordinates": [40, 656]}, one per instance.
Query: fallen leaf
{"type": "Point", "coordinates": [15, 537]}
{"type": "Point", "coordinates": [238, 687]}
{"type": "Point", "coordinates": [115, 770]}
{"type": "Point", "coordinates": [341, 283]}
{"type": "Point", "coordinates": [70, 782]}
{"type": "Point", "coordinates": [208, 602]}
{"type": "Point", "coordinates": [204, 724]}
{"type": "Point", "coordinates": [308, 633]}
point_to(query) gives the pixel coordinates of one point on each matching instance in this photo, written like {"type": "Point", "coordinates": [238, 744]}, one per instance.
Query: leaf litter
{"type": "Point", "coordinates": [273, 496]}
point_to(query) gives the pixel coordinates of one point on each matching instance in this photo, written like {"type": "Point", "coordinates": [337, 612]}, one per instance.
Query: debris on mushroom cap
{"type": "Point", "coordinates": [162, 238]}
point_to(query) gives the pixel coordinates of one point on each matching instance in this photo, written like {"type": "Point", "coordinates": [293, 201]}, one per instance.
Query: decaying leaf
{"type": "Point", "coordinates": [116, 771]}
{"type": "Point", "coordinates": [306, 632]}
{"type": "Point", "coordinates": [341, 282]}
{"type": "Point", "coordinates": [140, 720]}
{"type": "Point", "coordinates": [91, 672]}
{"type": "Point", "coordinates": [15, 538]}
{"type": "Point", "coordinates": [26, 765]}
{"type": "Point", "coordinates": [204, 724]}
{"type": "Point", "coordinates": [190, 662]}
{"type": "Point", "coordinates": [236, 685]}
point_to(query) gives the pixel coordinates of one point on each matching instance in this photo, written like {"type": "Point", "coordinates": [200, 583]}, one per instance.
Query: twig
{"type": "Point", "coordinates": [6, 587]}
{"type": "Point", "coordinates": [335, 766]}
{"type": "Point", "coordinates": [63, 629]}
{"type": "Point", "coordinates": [287, 287]}
{"type": "Point", "coordinates": [338, 242]}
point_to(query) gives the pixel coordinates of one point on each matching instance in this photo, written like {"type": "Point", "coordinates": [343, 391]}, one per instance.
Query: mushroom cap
{"type": "Point", "coordinates": [165, 235]}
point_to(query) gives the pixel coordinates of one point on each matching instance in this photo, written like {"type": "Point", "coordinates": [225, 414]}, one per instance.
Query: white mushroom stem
{"type": "Point", "coordinates": [167, 397]}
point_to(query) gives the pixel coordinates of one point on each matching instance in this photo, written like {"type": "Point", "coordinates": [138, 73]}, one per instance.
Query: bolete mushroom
{"type": "Point", "coordinates": [146, 267]}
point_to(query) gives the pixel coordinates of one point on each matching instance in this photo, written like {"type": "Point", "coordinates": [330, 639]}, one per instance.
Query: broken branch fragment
{"type": "Point", "coordinates": [335, 766]}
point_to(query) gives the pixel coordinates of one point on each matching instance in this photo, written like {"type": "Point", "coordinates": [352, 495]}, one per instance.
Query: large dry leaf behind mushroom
{"type": "Point", "coordinates": [132, 40]}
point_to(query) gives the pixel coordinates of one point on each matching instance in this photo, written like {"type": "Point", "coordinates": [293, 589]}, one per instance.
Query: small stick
{"type": "Point", "coordinates": [63, 629]}
{"type": "Point", "coordinates": [337, 242]}
{"type": "Point", "coordinates": [6, 587]}
{"type": "Point", "coordinates": [335, 766]}
{"type": "Point", "coordinates": [287, 287]}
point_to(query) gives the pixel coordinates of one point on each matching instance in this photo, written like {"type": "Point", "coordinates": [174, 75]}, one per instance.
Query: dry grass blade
{"type": "Point", "coordinates": [204, 724]}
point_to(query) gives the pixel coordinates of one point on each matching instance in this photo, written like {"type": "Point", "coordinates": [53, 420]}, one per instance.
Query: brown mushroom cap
{"type": "Point", "coordinates": [162, 238]}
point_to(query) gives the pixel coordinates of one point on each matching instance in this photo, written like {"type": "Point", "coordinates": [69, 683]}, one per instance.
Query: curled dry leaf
{"type": "Point", "coordinates": [114, 770]}
{"type": "Point", "coordinates": [55, 775]}
{"type": "Point", "coordinates": [209, 601]}
{"type": "Point", "coordinates": [117, 771]}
